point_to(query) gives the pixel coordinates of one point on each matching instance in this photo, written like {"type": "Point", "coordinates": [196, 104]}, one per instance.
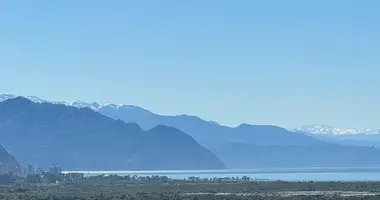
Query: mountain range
{"type": "Point", "coordinates": [81, 139]}
{"type": "Point", "coordinates": [135, 110]}
{"type": "Point", "coordinates": [204, 132]}
{"type": "Point", "coordinates": [329, 130]}
{"type": "Point", "coordinates": [244, 146]}
{"type": "Point", "coordinates": [344, 136]}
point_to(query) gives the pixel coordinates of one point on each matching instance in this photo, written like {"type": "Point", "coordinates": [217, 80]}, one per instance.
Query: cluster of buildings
{"type": "Point", "coordinates": [54, 171]}
{"type": "Point", "coordinates": [32, 169]}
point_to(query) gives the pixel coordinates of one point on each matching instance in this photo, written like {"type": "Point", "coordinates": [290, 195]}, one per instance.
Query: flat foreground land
{"type": "Point", "coordinates": [195, 190]}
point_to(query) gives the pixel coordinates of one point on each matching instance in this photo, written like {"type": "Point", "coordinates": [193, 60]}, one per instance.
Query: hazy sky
{"type": "Point", "coordinates": [287, 63]}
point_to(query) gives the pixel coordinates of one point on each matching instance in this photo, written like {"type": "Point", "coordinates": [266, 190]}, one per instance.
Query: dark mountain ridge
{"type": "Point", "coordinates": [211, 134]}
{"type": "Point", "coordinates": [82, 139]}
{"type": "Point", "coordinates": [8, 163]}
{"type": "Point", "coordinates": [207, 133]}
{"type": "Point", "coordinates": [251, 146]}
{"type": "Point", "coordinates": [328, 155]}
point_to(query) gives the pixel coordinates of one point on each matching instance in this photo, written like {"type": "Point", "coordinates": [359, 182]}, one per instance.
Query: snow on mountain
{"type": "Point", "coordinates": [4, 97]}
{"type": "Point", "coordinates": [79, 104]}
{"type": "Point", "coordinates": [311, 129]}
{"type": "Point", "coordinates": [323, 129]}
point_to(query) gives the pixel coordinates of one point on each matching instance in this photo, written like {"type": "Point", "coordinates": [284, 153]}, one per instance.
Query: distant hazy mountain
{"type": "Point", "coordinates": [328, 155]}
{"type": "Point", "coordinates": [81, 139]}
{"type": "Point", "coordinates": [323, 129]}
{"type": "Point", "coordinates": [212, 134]}
{"type": "Point", "coordinates": [207, 133]}
{"type": "Point", "coordinates": [345, 136]}
{"type": "Point", "coordinates": [247, 146]}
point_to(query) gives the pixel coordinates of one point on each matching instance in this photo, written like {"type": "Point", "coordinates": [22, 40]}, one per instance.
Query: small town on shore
{"type": "Point", "coordinates": [35, 174]}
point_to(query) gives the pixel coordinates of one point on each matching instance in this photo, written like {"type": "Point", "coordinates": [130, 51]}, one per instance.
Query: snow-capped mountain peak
{"type": "Point", "coordinates": [4, 97]}
{"type": "Point", "coordinates": [35, 99]}
{"type": "Point", "coordinates": [310, 129]}
{"type": "Point", "coordinates": [111, 105]}
{"type": "Point", "coordinates": [79, 104]}
{"type": "Point", "coordinates": [324, 129]}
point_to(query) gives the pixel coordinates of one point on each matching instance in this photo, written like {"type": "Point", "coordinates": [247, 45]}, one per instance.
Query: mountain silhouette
{"type": "Point", "coordinates": [239, 155]}
{"type": "Point", "coordinates": [208, 133]}
{"type": "Point", "coordinates": [8, 163]}
{"type": "Point", "coordinates": [81, 139]}
{"type": "Point", "coordinates": [251, 146]}
{"type": "Point", "coordinates": [244, 146]}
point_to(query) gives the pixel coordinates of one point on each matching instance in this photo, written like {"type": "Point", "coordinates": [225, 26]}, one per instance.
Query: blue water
{"type": "Point", "coordinates": [289, 174]}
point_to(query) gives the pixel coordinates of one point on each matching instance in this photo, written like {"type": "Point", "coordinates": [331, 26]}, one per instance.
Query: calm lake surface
{"type": "Point", "coordinates": [288, 174]}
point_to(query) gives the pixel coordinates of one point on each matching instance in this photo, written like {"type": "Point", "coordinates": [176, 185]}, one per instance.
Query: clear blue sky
{"type": "Point", "coordinates": [287, 63]}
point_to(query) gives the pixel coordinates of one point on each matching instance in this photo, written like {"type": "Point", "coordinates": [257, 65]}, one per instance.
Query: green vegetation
{"type": "Point", "coordinates": [47, 187]}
